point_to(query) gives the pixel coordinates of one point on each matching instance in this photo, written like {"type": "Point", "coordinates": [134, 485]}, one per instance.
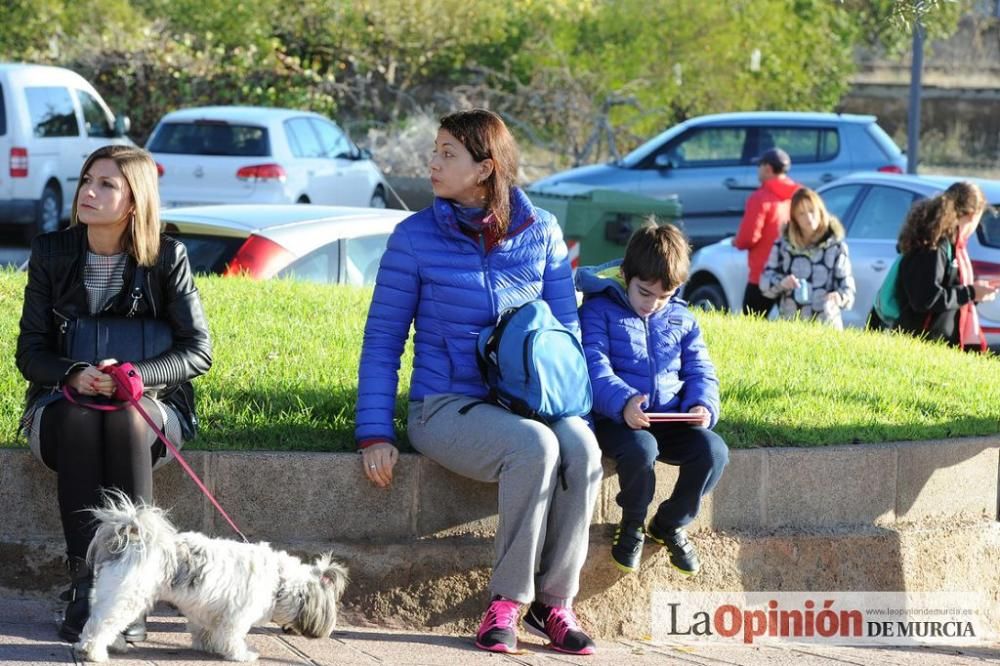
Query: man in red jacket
{"type": "Point", "coordinates": [767, 210]}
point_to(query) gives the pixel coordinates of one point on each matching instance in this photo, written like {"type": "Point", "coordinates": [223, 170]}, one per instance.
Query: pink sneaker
{"type": "Point", "coordinates": [498, 631]}
{"type": "Point", "coordinates": [559, 625]}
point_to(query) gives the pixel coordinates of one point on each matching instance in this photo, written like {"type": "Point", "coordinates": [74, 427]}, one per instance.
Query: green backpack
{"type": "Point", "coordinates": [887, 299]}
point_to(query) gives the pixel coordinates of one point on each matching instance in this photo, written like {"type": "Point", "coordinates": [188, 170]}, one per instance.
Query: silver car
{"type": "Point", "coordinates": [710, 162]}
{"type": "Point", "coordinates": [326, 244]}
{"type": "Point", "coordinates": [872, 207]}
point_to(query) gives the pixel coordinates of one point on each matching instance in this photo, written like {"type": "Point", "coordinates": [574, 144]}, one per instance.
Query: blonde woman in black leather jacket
{"type": "Point", "coordinates": [88, 270]}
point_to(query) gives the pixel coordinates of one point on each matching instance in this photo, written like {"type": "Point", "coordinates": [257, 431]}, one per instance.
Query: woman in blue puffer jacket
{"type": "Point", "coordinates": [449, 270]}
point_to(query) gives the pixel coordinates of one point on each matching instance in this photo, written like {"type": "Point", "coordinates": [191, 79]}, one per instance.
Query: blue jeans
{"type": "Point", "coordinates": [700, 453]}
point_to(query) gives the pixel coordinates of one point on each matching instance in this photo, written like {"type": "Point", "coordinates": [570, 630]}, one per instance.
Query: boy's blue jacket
{"type": "Point", "coordinates": [444, 282]}
{"type": "Point", "coordinates": [663, 357]}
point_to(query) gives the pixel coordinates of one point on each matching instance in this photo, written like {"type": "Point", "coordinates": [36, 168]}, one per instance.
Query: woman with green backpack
{"type": "Point", "coordinates": [936, 288]}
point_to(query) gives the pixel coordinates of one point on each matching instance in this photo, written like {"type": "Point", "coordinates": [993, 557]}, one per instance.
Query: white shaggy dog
{"type": "Point", "coordinates": [222, 587]}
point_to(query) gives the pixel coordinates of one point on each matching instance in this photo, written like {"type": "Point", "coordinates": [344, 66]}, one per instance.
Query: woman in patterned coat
{"type": "Point", "coordinates": [809, 269]}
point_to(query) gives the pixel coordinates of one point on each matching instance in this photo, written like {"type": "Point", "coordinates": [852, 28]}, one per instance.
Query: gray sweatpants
{"type": "Point", "coordinates": [549, 480]}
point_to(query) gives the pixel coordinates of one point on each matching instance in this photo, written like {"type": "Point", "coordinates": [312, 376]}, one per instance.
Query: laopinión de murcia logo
{"type": "Point", "coordinates": [844, 618]}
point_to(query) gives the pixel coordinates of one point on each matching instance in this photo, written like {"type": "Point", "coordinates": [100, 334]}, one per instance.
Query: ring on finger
{"type": "Point", "coordinates": [372, 466]}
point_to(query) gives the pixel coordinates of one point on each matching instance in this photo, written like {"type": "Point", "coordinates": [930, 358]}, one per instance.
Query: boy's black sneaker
{"type": "Point", "coordinates": [683, 556]}
{"type": "Point", "coordinates": [626, 547]}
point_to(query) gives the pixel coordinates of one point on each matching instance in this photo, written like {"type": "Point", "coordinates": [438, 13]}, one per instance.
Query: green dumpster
{"type": "Point", "coordinates": [597, 223]}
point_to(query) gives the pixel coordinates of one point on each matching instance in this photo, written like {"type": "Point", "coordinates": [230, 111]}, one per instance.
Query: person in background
{"type": "Point", "coordinates": [450, 270]}
{"type": "Point", "coordinates": [766, 211]}
{"type": "Point", "coordinates": [809, 270]}
{"type": "Point", "coordinates": [936, 287]}
{"type": "Point", "coordinates": [645, 353]}
{"type": "Point", "coordinates": [88, 270]}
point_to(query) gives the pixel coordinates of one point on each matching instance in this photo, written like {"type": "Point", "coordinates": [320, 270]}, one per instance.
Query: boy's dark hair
{"type": "Point", "coordinates": [657, 252]}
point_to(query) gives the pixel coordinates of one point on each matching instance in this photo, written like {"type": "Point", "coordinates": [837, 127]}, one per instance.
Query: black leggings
{"type": "Point", "coordinates": [92, 451]}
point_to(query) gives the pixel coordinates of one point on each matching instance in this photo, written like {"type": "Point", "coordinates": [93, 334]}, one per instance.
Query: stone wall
{"type": "Point", "coordinates": [902, 516]}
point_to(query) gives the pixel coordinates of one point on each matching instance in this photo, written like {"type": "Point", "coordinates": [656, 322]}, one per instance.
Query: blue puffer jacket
{"type": "Point", "coordinates": [443, 281]}
{"type": "Point", "coordinates": [663, 357]}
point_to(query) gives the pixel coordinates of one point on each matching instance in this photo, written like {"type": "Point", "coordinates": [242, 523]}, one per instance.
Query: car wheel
{"type": "Point", "coordinates": [303, 200]}
{"type": "Point", "coordinates": [48, 212]}
{"type": "Point", "coordinates": [378, 199]}
{"type": "Point", "coordinates": [707, 296]}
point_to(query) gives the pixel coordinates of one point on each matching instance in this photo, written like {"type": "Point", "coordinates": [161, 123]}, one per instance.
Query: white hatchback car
{"type": "Point", "coordinates": [246, 154]}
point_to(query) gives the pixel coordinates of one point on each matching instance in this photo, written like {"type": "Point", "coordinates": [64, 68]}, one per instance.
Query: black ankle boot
{"type": "Point", "coordinates": [78, 596]}
{"type": "Point", "coordinates": [136, 632]}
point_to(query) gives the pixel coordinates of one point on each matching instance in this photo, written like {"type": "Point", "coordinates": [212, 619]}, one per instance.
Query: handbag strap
{"type": "Point", "coordinates": [137, 279]}
{"type": "Point", "coordinates": [68, 392]}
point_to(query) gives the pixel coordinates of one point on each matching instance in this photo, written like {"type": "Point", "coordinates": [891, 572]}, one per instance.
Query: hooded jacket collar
{"type": "Point", "coordinates": [783, 188]}
{"type": "Point", "coordinates": [603, 279]}
{"type": "Point", "coordinates": [607, 279]}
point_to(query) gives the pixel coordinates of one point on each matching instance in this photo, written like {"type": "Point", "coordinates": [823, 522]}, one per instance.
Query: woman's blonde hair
{"type": "Point", "coordinates": [485, 135]}
{"type": "Point", "coordinates": [827, 222]}
{"type": "Point", "coordinates": [930, 220]}
{"type": "Point", "coordinates": [142, 235]}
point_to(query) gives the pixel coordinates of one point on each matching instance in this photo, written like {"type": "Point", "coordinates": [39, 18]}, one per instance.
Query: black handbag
{"type": "Point", "coordinates": [126, 339]}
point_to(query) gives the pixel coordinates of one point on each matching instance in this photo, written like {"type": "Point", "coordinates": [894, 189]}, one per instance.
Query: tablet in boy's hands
{"type": "Point", "coordinates": [674, 417]}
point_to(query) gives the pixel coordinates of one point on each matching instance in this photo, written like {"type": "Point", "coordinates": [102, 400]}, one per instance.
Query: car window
{"type": "Point", "coordinates": [332, 141]}
{"type": "Point", "coordinates": [803, 144]}
{"type": "Point", "coordinates": [207, 254]}
{"type": "Point", "coordinates": [211, 138]}
{"type": "Point", "coordinates": [884, 142]}
{"type": "Point", "coordinates": [838, 200]}
{"type": "Point", "coordinates": [321, 265]}
{"type": "Point", "coordinates": [708, 147]}
{"type": "Point", "coordinates": [95, 120]}
{"type": "Point", "coordinates": [881, 214]}
{"type": "Point", "coordinates": [302, 139]}
{"type": "Point", "coordinates": [989, 228]}
{"type": "Point", "coordinates": [362, 256]}
{"type": "Point", "coordinates": [52, 113]}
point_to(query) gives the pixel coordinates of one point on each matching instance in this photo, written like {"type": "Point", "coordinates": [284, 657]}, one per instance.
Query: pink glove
{"type": "Point", "coordinates": [128, 381]}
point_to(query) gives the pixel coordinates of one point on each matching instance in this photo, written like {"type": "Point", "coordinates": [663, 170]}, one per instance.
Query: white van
{"type": "Point", "coordinates": [50, 120]}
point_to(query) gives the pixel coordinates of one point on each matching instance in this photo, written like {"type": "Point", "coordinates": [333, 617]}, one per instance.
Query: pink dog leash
{"type": "Point", "coordinates": [127, 389]}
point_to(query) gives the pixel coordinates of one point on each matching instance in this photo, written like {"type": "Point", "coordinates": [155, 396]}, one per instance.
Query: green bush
{"type": "Point", "coordinates": [286, 357]}
{"type": "Point", "coordinates": [554, 68]}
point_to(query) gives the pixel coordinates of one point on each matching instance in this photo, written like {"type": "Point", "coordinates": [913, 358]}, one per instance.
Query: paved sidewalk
{"type": "Point", "coordinates": [28, 636]}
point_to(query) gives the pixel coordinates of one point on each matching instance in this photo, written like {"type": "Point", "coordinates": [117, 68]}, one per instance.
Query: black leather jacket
{"type": "Point", "coordinates": [55, 291]}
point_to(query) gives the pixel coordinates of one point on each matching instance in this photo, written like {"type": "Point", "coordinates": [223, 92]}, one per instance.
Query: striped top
{"type": "Point", "coordinates": [103, 277]}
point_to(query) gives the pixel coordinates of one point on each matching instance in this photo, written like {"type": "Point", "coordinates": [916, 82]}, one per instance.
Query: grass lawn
{"type": "Point", "coordinates": [286, 357]}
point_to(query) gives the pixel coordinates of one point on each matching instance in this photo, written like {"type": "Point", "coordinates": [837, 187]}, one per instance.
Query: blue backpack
{"type": "Point", "coordinates": [533, 365]}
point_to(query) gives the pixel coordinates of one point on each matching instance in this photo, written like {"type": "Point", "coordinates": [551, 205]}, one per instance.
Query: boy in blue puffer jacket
{"type": "Point", "coordinates": [646, 354]}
